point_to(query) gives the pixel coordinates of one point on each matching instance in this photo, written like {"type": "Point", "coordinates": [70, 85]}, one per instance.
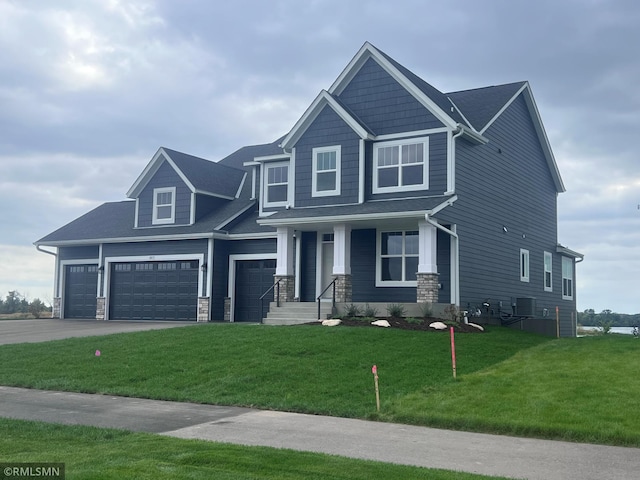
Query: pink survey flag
{"type": "Point", "coordinates": [97, 353]}
{"type": "Point", "coordinates": [374, 369]}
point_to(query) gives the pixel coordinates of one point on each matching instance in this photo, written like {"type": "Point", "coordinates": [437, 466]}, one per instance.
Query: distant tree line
{"type": "Point", "coordinates": [15, 302]}
{"type": "Point", "coordinates": [590, 318]}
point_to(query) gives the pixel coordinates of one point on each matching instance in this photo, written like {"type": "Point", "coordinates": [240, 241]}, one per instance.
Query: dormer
{"type": "Point", "coordinates": [177, 189]}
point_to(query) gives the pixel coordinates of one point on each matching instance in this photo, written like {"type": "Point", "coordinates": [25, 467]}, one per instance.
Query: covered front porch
{"type": "Point", "coordinates": [395, 261]}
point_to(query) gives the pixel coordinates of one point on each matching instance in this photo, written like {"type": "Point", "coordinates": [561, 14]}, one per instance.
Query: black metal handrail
{"type": "Point", "coordinates": [333, 299]}
{"type": "Point", "coordinates": [277, 287]}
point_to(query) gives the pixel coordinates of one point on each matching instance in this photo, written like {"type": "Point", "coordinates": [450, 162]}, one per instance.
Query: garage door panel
{"type": "Point", "coordinates": [154, 291]}
{"type": "Point", "coordinates": [81, 285]}
{"type": "Point", "coordinates": [253, 278]}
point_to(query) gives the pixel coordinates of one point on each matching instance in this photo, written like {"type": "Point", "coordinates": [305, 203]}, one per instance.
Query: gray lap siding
{"type": "Point", "coordinates": [507, 202]}
{"type": "Point", "coordinates": [328, 129]}
{"type": "Point", "coordinates": [166, 176]}
{"type": "Point", "coordinates": [383, 104]}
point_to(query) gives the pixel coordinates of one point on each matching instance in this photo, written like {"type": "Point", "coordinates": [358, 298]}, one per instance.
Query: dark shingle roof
{"type": "Point", "coordinates": [480, 105]}
{"type": "Point", "coordinates": [207, 176]}
{"type": "Point", "coordinates": [115, 220]}
{"type": "Point", "coordinates": [417, 205]}
{"type": "Point", "coordinates": [248, 153]}
{"type": "Point", "coordinates": [439, 98]}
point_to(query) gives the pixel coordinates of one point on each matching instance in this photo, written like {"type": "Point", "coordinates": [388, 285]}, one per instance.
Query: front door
{"type": "Point", "coordinates": [326, 262]}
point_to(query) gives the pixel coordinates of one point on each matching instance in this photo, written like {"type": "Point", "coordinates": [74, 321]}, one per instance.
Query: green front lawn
{"type": "Point", "coordinates": [511, 382]}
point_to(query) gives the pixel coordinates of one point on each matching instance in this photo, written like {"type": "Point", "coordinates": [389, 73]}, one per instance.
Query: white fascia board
{"type": "Point", "coordinates": [540, 131]}
{"type": "Point", "coordinates": [211, 194]}
{"type": "Point", "coordinates": [473, 136]}
{"type": "Point", "coordinates": [269, 158]}
{"type": "Point", "coordinates": [151, 168]}
{"type": "Point", "coordinates": [323, 99]}
{"type": "Point", "coordinates": [568, 252]}
{"type": "Point", "coordinates": [367, 51]}
{"type": "Point", "coordinates": [332, 219]}
{"type": "Point", "coordinates": [251, 236]}
{"type": "Point", "coordinates": [446, 203]}
{"type": "Point", "coordinates": [244, 178]}
{"type": "Point", "coordinates": [150, 238]}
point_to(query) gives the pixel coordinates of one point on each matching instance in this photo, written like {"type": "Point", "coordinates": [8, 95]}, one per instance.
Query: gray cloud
{"type": "Point", "coordinates": [90, 89]}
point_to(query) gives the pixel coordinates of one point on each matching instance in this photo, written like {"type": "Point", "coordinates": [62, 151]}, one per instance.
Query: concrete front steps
{"type": "Point", "coordinates": [296, 313]}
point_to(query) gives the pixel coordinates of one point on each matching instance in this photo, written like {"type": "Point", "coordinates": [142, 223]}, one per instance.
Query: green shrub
{"type": "Point", "coordinates": [395, 310]}
{"type": "Point", "coordinates": [426, 309]}
{"type": "Point", "coordinates": [352, 310]}
{"type": "Point", "coordinates": [370, 311]}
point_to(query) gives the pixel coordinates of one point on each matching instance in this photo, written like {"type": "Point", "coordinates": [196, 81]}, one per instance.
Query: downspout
{"type": "Point", "coordinates": [456, 278]}
{"type": "Point", "coordinates": [451, 173]}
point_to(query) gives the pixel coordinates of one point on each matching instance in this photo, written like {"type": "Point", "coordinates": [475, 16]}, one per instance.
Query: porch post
{"type": "Point", "coordinates": [342, 262]}
{"type": "Point", "coordinates": [427, 275]}
{"type": "Point", "coordinates": [284, 265]}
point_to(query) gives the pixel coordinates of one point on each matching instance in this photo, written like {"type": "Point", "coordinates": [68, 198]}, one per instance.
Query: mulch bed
{"type": "Point", "coordinates": [402, 324]}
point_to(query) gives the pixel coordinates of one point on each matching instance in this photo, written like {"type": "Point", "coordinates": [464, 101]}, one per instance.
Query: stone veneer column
{"type": "Point", "coordinates": [100, 308]}
{"type": "Point", "coordinates": [343, 288]}
{"type": "Point", "coordinates": [56, 308]}
{"type": "Point", "coordinates": [287, 288]}
{"type": "Point", "coordinates": [427, 291]}
{"type": "Point", "coordinates": [203, 309]}
{"type": "Point", "coordinates": [227, 309]}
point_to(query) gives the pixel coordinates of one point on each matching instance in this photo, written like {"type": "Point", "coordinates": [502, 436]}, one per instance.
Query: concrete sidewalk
{"type": "Point", "coordinates": [386, 442]}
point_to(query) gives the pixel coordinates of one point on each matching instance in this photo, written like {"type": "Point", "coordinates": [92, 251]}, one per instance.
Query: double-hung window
{"type": "Point", "coordinates": [276, 181]}
{"type": "Point", "coordinates": [524, 265]}
{"type": "Point", "coordinates": [401, 165]}
{"type": "Point", "coordinates": [397, 258]}
{"type": "Point", "coordinates": [548, 272]}
{"type": "Point", "coordinates": [567, 278]}
{"type": "Point", "coordinates": [164, 205]}
{"type": "Point", "coordinates": [326, 171]}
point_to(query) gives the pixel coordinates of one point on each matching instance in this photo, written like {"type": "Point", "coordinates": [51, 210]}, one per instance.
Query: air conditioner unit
{"type": "Point", "coordinates": [525, 306]}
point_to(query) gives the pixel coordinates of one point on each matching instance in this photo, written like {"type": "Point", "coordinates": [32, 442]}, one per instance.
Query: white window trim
{"type": "Point", "coordinates": [314, 178]}
{"type": "Point", "coordinates": [392, 283]}
{"type": "Point", "coordinates": [404, 188]}
{"type": "Point", "coordinates": [524, 265]}
{"type": "Point", "coordinates": [569, 261]}
{"type": "Point", "coordinates": [265, 184]}
{"type": "Point", "coordinates": [547, 288]}
{"type": "Point", "coordinates": [164, 221]}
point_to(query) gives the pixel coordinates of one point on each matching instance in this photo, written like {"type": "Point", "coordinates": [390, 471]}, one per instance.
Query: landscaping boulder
{"type": "Point", "coordinates": [332, 322]}
{"type": "Point", "coordinates": [438, 325]}
{"type": "Point", "coordinates": [381, 323]}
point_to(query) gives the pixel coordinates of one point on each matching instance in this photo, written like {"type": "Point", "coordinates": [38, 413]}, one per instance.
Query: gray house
{"type": "Point", "coordinates": [386, 188]}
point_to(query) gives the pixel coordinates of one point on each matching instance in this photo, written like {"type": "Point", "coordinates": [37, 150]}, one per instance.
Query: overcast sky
{"type": "Point", "coordinates": [89, 89]}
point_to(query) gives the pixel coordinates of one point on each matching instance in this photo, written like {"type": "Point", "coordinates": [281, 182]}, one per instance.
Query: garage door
{"type": "Point", "coordinates": [80, 290]}
{"type": "Point", "coordinates": [153, 291]}
{"type": "Point", "coordinates": [253, 278]}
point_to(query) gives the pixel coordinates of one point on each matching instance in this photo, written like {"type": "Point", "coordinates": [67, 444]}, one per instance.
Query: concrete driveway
{"type": "Point", "coordinates": [44, 329]}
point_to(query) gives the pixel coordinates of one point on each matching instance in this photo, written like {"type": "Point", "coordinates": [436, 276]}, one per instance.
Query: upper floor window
{"type": "Point", "coordinates": [397, 258]}
{"type": "Point", "coordinates": [276, 184]}
{"type": "Point", "coordinates": [401, 165]}
{"type": "Point", "coordinates": [326, 171]}
{"type": "Point", "coordinates": [567, 278]}
{"type": "Point", "coordinates": [524, 265]}
{"type": "Point", "coordinates": [164, 205]}
{"type": "Point", "coordinates": [548, 269]}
